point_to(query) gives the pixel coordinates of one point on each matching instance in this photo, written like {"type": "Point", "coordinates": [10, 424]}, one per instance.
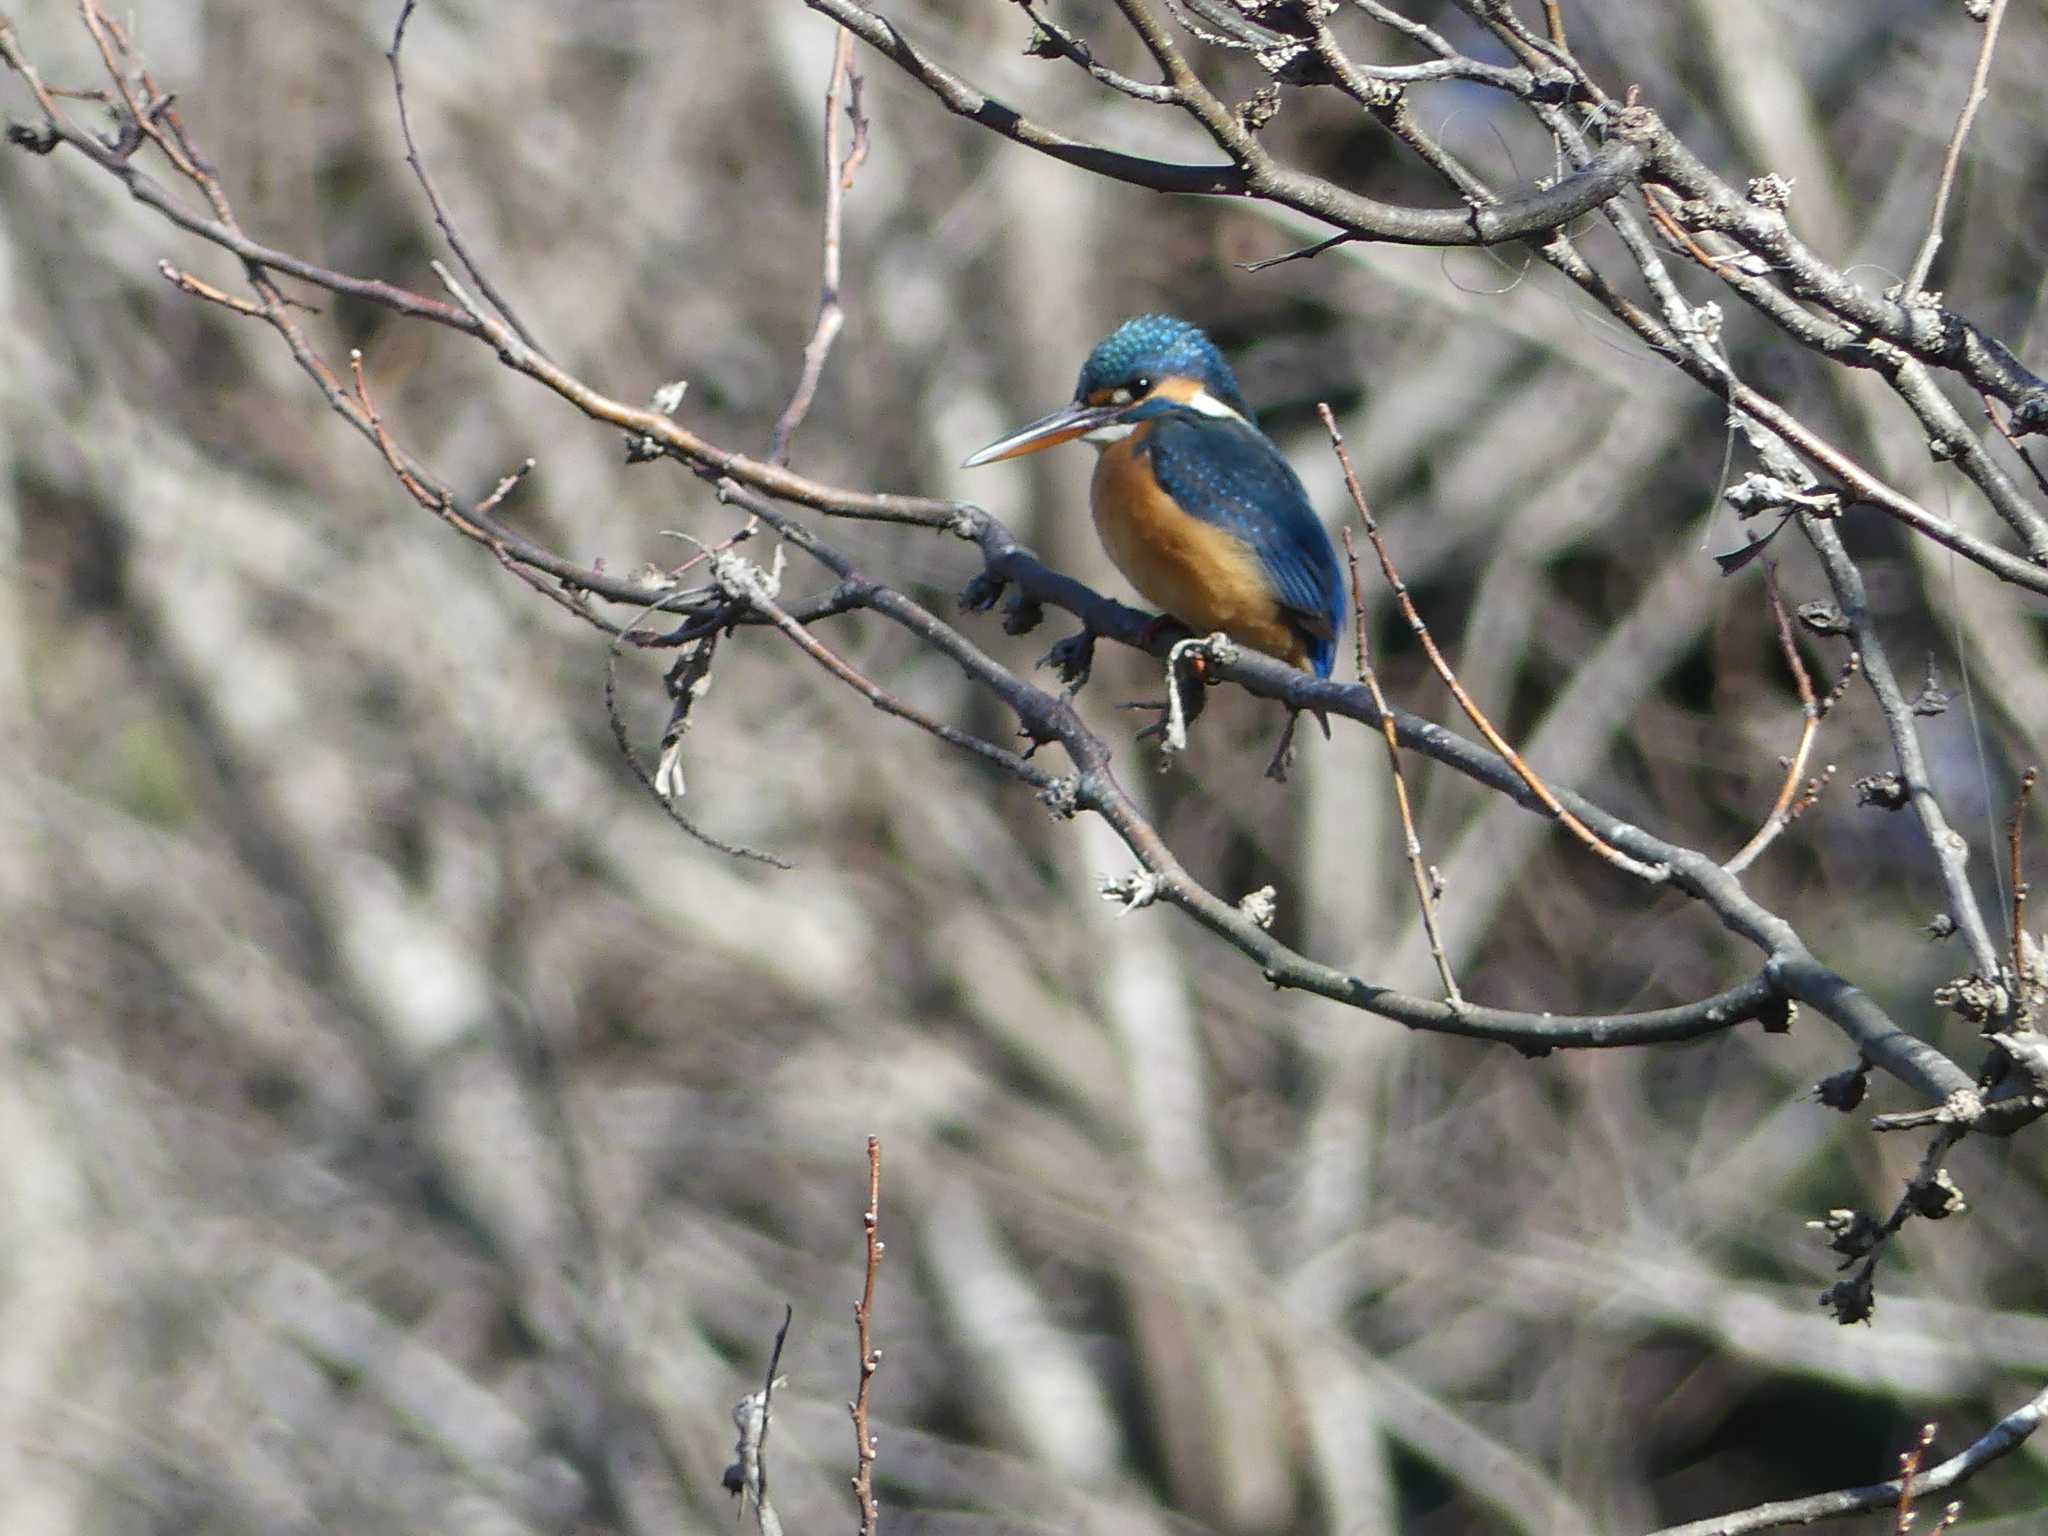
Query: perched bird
{"type": "Point", "coordinates": [1193, 502]}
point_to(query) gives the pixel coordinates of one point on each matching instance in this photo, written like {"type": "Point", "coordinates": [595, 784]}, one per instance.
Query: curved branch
{"type": "Point", "coordinates": [1613, 170]}
{"type": "Point", "coordinates": [1049, 717]}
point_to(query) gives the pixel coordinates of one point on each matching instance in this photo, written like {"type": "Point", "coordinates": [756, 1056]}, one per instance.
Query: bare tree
{"type": "Point", "coordinates": [429, 942]}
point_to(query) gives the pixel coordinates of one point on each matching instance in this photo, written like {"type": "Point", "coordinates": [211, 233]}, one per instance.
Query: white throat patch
{"type": "Point", "coordinates": [1209, 405]}
{"type": "Point", "coordinates": [1115, 432]}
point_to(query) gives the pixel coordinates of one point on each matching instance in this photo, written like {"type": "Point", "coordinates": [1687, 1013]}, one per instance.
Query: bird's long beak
{"type": "Point", "coordinates": [1062, 426]}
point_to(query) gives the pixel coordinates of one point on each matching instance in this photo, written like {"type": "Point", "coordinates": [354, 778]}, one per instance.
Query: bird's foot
{"type": "Point", "coordinates": [1072, 659]}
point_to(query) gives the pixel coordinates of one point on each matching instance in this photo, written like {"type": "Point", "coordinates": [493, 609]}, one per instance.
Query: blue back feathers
{"type": "Point", "coordinates": [1156, 347]}
{"type": "Point", "coordinates": [1228, 473]}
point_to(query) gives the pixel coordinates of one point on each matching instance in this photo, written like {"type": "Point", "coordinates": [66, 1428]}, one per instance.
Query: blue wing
{"type": "Point", "coordinates": [1227, 472]}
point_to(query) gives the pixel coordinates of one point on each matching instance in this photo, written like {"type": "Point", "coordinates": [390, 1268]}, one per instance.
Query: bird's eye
{"type": "Point", "coordinates": [1140, 386]}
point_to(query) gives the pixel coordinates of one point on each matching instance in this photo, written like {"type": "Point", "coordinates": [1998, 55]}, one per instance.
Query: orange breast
{"type": "Point", "coordinates": [1194, 570]}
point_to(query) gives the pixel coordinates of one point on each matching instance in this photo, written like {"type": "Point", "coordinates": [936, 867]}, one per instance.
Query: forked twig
{"type": "Point", "coordinates": [870, 1356]}
{"type": "Point", "coordinates": [1425, 888]}
{"type": "Point", "coordinates": [1791, 803]}
{"type": "Point", "coordinates": [1656, 873]}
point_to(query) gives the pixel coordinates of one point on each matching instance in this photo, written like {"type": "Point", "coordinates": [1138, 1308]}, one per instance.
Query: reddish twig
{"type": "Point", "coordinates": [1535, 785]}
{"type": "Point", "coordinates": [870, 1354]}
{"type": "Point", "coordinates": [504, 488]}
{"type": "Point", "coordinates": [1425, 888]}
{"type": "Point", "coordinates": [1667, 221]}
{"type": "Point", "coordinates": [1909, 1468]}
{"type": "Point", "coordinates": [1791, 803]}
{"type": "Point", "coordinates": [199, 288]}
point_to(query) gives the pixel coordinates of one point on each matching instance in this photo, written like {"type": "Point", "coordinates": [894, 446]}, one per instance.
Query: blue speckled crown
{"type": "Point", "coordinates": [1159, 346]}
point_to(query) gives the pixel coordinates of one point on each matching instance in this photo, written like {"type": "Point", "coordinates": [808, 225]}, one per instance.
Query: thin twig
{"type": "Point", "coordinates": [1304, 253]}
{"type": "Point", "coordinates": [1909, 1468]}
{"type": "Point", "coordinates": [1790, 803]}
{"type": "Point", "coordinates": [2013, 834]}
{"type": "Point", "coordinates": [870, 1354]}
{"type": "Point", "coordinates": [2014, 443]}
{"type": "Point", "coordinates": [199, 288]}
{"type": "Point", "coordinates": [1916, 275]}
{"type": "Point", "coordinates": [419, 171]}
{"type": "Point", "coordinates": [1585, 834]}
{"type": "Point", "coordinates": [1064, 43]}
{"type": "Point", "coordinates": [1425, 888]}
{"type": "Point", "coordinates": [1664, 219]}
{"type": "Point", "coordinates": [505, 487]}
{"type": "Point", "coordinates": [888, 702]}
{"type": "Point", "coordinates": [625, 744]}
{"type": "Point", "coordinates": [839, 173]}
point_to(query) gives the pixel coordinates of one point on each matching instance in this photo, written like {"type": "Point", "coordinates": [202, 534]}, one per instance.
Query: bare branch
{"type": "Point", "coordinates": [1543, 793]}
{"type": "Point", "coordinates": [844, 86]}
{"type": "Point", "coordinates": [2014, 833]}
{"type": "Point", "coordinates": [414, 159]}
{"type": "Point", "coordinates": [2003, 1438]}
{"type": "Point", "coordinates": [1425, 889]}
{"type": "Point", "coordinates": [1532, 214]}
{"type": "Point", "coordinates": [1916, 275]}
{"type": "Point", "coordinates": [870, 1354]}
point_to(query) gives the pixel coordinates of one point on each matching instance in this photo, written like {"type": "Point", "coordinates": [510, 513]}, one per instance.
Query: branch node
{"type": "Point", "coordinates": [1139, 888]}
{"type": "Point", "coordinates": [1260, 907]}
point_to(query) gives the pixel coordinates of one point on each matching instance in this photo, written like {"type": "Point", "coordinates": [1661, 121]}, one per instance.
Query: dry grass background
{"type": "Point", "coordinates": [404, 1129]}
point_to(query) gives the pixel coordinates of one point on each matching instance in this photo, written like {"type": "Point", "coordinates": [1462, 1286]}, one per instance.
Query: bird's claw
{"type": "Point", "coordinates": [1072, 659]}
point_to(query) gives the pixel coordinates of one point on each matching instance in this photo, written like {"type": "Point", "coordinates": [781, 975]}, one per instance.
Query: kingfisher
{"type": "Point", "coordinates": [1195, 505]}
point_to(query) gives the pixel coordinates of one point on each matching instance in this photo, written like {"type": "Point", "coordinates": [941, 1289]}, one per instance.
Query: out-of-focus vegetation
{"type": "Point", "coordinates": [406, 1128]}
